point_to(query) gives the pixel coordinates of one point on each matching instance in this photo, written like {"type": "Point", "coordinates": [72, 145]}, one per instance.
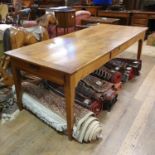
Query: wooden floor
{"type": "Point", "coordinates": [129, 129]}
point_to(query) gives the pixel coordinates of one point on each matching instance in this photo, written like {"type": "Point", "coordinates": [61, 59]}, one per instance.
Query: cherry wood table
{"type": "Point", "coordinates": [67, 59]}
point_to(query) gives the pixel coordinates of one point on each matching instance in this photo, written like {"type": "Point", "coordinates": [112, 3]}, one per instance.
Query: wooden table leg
{"type": "Point", "coordinates": [69, 89]}
{"type": "Point", "coordinates": [140, 44]}
{"type": "Point", "coordinates": [17, 81]}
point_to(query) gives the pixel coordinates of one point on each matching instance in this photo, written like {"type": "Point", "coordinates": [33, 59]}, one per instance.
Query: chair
{"type": "Point", "coordinates": [14, 38]}
{"type": "Point", "coordinates": [80, 15]}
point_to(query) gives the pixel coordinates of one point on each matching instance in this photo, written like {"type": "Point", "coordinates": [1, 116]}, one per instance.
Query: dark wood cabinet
{"type": "Point", "coordinates": [141, 18]}
{"type": "Point", "coordinates": [133, 17]}
{"type": "Point", "coordinates": [66, 19]}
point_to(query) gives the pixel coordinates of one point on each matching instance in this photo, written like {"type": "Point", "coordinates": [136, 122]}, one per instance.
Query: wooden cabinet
{"type": "Point", "coordinates": [66, 19]}
{"type": "Point", "coordinates": [139, 22]}
{"type": "Point", "coordinates": [141, 18]}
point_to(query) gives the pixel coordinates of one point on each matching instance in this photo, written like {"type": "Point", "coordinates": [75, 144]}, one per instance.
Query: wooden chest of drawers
{"type": "Point", "coordinates": [141, 18]}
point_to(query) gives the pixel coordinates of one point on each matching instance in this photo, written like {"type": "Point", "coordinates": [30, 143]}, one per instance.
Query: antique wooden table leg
{"type": "Point", "coordinates": [69, 96]}
{"type": "Point", "coordinates": [140, 44]}
{"type": "Point", "coordinates": [17, 81]}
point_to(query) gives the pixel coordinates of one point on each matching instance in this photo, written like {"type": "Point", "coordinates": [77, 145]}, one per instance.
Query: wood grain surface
{"type": "Point", "coordinates": [74, 51]}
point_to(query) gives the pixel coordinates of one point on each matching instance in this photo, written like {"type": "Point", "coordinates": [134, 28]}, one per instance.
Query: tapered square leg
{"type": "Point", "coordinates": [17, 81]}
{"type": "Point", "coordinates": [69, 89]}
{"type": "Point", "coordinates": [140, 45]}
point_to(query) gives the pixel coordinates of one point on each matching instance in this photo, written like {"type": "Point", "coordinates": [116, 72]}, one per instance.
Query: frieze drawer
{"type": "Point", "coordinates": [140, 22]}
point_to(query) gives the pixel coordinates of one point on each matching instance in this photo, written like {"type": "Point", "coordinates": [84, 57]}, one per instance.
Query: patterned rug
{"type": "Point", "coordinates": [51, 108]}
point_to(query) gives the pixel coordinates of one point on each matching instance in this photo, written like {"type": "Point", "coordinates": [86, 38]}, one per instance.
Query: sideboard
{"type": "Point", "coordinates": [133, 17]}
{"type": "Point", "coordinates": [141, 18]}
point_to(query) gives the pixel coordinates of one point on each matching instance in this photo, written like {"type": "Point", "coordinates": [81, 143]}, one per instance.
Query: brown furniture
{"type": "Point", "coordinates": [92, 9]}
{"type": "Point", "coordinates": [100, 20]}
{"type": "Point", "coordinates": [67, 59]}
{"type": "Point", "coordinates": [141, 18]}
{"type": "Point", "coordinates": [132, 4]}
{"type": "Point", "coordinates": [27, 3]}
{"type": "Point", "coordinates": [66, 19]}
{"type": "Point", "coordinates": [134, 17]}
{"type": "Point", "coordinates": [124, 16]}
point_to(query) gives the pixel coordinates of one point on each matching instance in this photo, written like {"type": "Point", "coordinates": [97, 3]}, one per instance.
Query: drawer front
{"type": "Point", "coordinates": [40, 71]}
{"type": "Point", "coordinates": [140, 22]}
{"type": "Point", "coordinates": [141, 16]}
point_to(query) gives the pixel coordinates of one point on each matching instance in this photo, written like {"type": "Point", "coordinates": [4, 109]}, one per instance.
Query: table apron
{"type": "Point", "coordinates": [40, 71]}
{"type": "Point", "coordinates": [89, 68]}
{"type": "Point", "coordinates": [127, 44]}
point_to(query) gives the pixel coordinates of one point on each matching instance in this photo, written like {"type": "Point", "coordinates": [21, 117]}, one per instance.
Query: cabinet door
{"type": "Point", "coordinates": [65, 19]}
{"type": "Point", "coordinates": [139, 22]}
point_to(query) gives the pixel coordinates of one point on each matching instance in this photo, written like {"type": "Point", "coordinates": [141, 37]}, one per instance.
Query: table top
{"type": "Point", "coordinates": [101, 20]}
{"type": "Point", "coordinates": [73, 51]}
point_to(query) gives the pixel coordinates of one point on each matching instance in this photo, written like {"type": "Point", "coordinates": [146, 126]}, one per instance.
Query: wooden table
{"type": "Point", "coordinates": [67, 59]}
{"type": "Point", "coordinates": [100, 20]}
